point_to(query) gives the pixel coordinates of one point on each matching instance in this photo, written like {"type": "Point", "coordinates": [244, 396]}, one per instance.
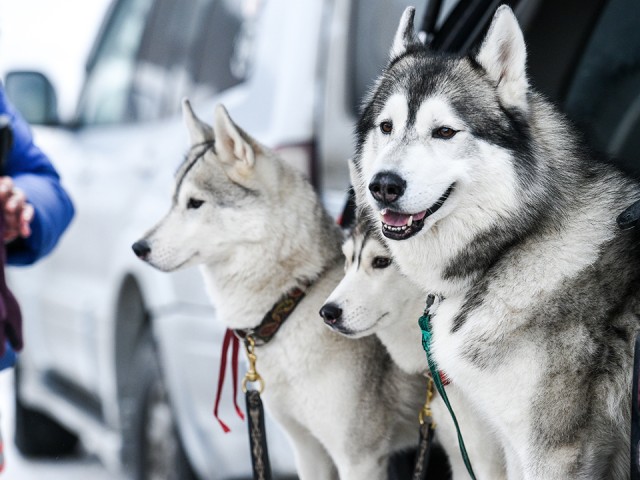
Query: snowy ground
{"type": "Point", "coordinates": [80, 467]}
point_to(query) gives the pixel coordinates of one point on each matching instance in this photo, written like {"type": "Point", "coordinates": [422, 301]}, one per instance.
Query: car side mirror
{"type": "Point", "coordinates": [33, 95]}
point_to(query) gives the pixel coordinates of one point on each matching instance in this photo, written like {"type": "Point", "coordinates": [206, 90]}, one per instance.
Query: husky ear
{"type": "Point", "coordinates": [199, 132]}
{"type": "Point", "coordinates": [503, 55]}
{"type": "Point", "coordinates": [233, 146]}
{"type": "Point", "coordinates": [404, 34]}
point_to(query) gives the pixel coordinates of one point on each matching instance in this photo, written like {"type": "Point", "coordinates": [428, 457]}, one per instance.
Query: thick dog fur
{"type": "Point", "coordinates": [486, 196]}
{"type": "Point", "coordinates": [257, 229]}
{"type": "Point", "coordinates": [375, 297]}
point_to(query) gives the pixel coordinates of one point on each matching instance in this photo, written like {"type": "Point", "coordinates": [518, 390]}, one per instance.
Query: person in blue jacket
{"type": "Point", "coordinates": [36, 209]}
{"type": "Point", "coordinates": [35, 206]}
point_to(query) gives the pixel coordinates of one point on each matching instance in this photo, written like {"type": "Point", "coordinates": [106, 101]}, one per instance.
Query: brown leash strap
{"type": "Point", "coordinates": [427, 429]}
{"type": "Point", "coordinates": [261, 335]}
{"type": "Point", "coordinates": [424, 451]}
{"type": "Point", "coordinates": [257, 437]}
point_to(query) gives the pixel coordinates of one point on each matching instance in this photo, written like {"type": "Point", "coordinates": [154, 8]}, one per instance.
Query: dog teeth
{"type": "Point", "coordinates": [383, 212]}
{"type": "Point", "coordinates": [410, 221]}
{"type": "Point", "coordinates": [396, 229]}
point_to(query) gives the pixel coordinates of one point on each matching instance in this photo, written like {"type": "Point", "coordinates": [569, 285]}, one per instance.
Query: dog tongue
{"type": "Point", "coordinates": [396, 219]}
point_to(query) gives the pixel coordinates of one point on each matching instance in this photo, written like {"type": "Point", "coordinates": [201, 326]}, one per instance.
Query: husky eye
{"type": "Point", "coordinates": [444, 132]}
{"type": "Point", "coordinates": [194, 203]}
{"type": "Point", "coordinates": [381, 262]}
{"type": "Point", "coordinates": [386, 127]}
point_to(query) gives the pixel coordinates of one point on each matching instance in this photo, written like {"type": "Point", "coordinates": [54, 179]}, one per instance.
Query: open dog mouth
{"type": "Point", "coordinates": [400, 226]}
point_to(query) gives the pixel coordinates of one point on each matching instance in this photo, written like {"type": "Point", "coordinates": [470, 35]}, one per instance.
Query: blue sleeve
{"type": "Point", "coordinates": [9, 358]}
{"type": "Point", "coordinates": [34, 174]}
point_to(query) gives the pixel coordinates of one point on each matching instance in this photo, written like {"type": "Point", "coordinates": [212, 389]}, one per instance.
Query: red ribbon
{"type": "Point", "coordinates": [229, 340]}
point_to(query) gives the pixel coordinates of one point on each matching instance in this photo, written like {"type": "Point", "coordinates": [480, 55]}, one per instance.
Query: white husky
{"type": "Point", "coordinates": [375, 297]}
{"type": "Point", "coordinates": [258, 230]}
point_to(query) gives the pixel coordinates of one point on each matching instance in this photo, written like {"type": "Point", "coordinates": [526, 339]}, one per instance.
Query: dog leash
{"type": "Point", "coordinates": [251, 338]}
{"type": "Point", "coordinates": [259, 335]}
{"type": "Point", "coordinates": [427, 430]}
{"type": "Point", "coordinates": [255, 411]}
{"type": "Point", "coordinates": [425, 326]}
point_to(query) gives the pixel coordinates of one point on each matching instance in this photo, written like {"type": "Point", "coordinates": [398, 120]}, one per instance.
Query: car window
{"type": "Point", "coordinates": [155, 52]}
{"type": "Point", "coordinates": [221, 54]}
{"type": "Point", "coordinates": [194, 48]}
{"type": "Point", "coordinates": [161, 75]}
{"type": "Point", "coordinates": [604, 96]}
{"type": "Point", "coordinates": [105, 97]}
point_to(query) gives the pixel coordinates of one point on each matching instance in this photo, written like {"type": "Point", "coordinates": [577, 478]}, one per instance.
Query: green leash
{"type": "Point", "coordinates": [425, 326]}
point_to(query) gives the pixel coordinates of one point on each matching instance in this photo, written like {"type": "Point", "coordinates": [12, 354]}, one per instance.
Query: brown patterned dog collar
{"type": "Point", "coordinates": [275, 317]}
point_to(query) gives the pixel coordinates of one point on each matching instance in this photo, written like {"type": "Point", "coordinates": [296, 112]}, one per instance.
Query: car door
{"type": "Point", "coordinates": [103, 167]}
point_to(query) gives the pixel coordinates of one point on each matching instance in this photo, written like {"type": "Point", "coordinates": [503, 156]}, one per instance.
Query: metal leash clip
{"type": "Point", "coordinates": [425, 413]}
{"type": "Point", "coordinates": [252, 375]}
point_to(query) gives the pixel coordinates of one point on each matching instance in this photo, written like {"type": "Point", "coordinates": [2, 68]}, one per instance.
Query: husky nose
{"type": "Point", "coordinates": [331, 313]}
{"type": "Point", "coordinates": [142, 249]}
{"type": "Point", "coordinates": [387, 187]}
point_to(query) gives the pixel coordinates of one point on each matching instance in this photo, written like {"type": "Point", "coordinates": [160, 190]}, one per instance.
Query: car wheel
{"type": "Point", "coordinates": [160, 455]}
{"type": "Point", "coordinates": [36, 433]}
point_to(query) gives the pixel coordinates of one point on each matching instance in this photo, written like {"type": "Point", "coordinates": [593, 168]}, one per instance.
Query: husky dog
{"type": "Point", "coordinates": [258, 230]}
{"type": "Point", "coordinates": [487, 197]}
{"type": "Point", "coordinates": [375, 297]}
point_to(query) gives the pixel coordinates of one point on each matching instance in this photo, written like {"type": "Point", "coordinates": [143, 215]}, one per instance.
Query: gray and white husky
{"type": "Point", "coordinates": [257, 228]}
{"type": "Point", "coordinates": [487, 197]}
{"type": "Point", "coordinates": [374, 297]}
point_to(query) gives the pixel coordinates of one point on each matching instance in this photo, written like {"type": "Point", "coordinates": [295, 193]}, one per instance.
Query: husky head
{"type": "Point", "coordinates": [221, 199]}
{"type": "Point", "coordinates": [212, 187]}
{"type": "Point", "coordinates": [373, 294]}
{"type": "Point", "coordinates": [437, 133]}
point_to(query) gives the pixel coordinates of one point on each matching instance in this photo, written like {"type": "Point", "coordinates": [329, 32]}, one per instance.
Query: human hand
{"type": "Point", "coordinates": [16, 211]}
